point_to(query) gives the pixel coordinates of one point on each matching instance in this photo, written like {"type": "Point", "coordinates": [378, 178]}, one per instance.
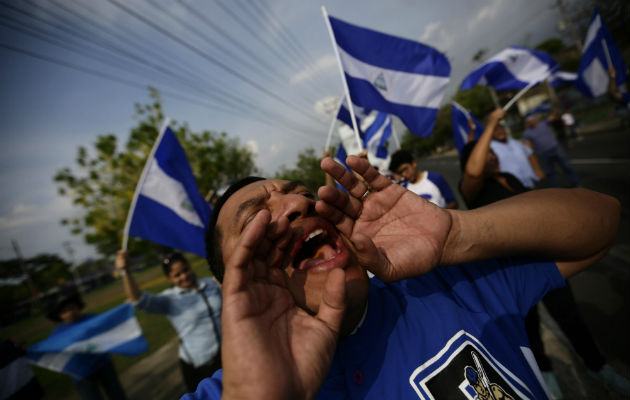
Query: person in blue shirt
{"type": "Point", "coordinates": [301, 318]}
{"type": "Point", "coordinates": [192, 305]}
{"type": "Point", "coordinates": [97, 369]}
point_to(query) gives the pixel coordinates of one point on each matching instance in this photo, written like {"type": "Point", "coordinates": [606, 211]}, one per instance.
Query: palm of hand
{"type": "Point", "coordinates": [400, 233]}
{"type": "Point", "coordinates": [263, 326]}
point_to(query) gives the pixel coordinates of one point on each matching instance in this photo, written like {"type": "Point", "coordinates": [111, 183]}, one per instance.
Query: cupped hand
{"type": "Point", "coordinates": [271, 348]}
{"type": "Point", "coordinates": [397, 233]}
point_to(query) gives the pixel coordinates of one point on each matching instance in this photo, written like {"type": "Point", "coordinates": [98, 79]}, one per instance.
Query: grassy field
{"type": "Point", "coordinates": [156, 328]}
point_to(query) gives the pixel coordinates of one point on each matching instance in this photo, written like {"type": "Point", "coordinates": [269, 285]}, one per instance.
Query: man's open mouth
{"type": "Point", "coordinates": [318, 249]}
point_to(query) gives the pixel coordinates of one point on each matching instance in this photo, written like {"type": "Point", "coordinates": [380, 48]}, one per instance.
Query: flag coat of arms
{"type": "Point", "coordinates": [391, 74]}
{"type": "Point", "coordinates": [460, 117]}
{"type": "Point", "coordinates": [72, 350]}
{"type": "Point", "coordinates": [599, 51]}
{"type": "Point", "coordinates": [167, 207]}
{"type": "Point", "coordinates": [512, 68]}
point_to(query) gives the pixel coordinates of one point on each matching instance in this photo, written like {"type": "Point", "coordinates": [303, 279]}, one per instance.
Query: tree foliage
{"type": "Point", "coordinates": [306, 171]}
{"type": "Point", "coordinates": [104, 178]}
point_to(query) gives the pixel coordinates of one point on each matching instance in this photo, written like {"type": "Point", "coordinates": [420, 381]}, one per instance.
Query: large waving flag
{"type": "Point", "coordinates": [600, 51]}
{"type": "Point", "coordinates": [115, 331]}
{"type": "Point", "coordinates": [460, 117]}
{"type": "Point", "coordinates": [391, 74]}
{"type": "Point", "coordinates": [512, 68]}
{"type": "Point", "coordinates": [167, 207]}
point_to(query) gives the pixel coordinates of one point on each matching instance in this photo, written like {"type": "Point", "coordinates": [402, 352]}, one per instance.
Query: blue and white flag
{"type": "Point", "coordinates": [512, 68]}
{"type": "Point", "coordinates": [340, 157]}
{"type": "Point", "coordinates": [344, 116]}
{"type": "Point", "coordinates": [558, 78]}
{"type": "Point", "coordinates": [376, 135]}
{"type": "Point", "coordinates": [115, 331]}
{"type": "Point", "coordinates": [394, 75]}
{"type": "Point", "coordinates": [167, 207]}
{"type": "Point", "coordinates": [600, 50]}
{"type": "Point", "coordinates": [460, 117]}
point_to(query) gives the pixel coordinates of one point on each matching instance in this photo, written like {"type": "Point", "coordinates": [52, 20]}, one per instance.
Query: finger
{"type": "Point", "coordinates": [336, 217]}
{"type": "Point", "coordinates": [339, 199]}
{"type": "Point", "coordinates": [370, 258]}
{"type": "Point", "coordinates": [239, 268]}
{"type": "Point", "coordinates": [372, 177]}
{"type": "Point", "coordinates": [345, 178]}
{"type": "Point", "coordinates": [333, 304]}
{"type": "Point", "coordinates": [280, 236]}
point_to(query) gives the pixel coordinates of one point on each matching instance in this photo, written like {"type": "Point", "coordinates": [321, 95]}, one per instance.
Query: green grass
{"type": "Point", "coordinates": [156, 328]}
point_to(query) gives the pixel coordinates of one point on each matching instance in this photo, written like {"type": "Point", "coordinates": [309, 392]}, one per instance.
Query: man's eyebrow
{"type": "Point", "coordinates": [254, 201]}
{"type": "Point", "coordinates": [291, 186]}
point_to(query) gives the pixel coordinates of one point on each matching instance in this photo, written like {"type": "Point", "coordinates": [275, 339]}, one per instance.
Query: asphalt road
{"type": "Point", "coordinates": [603, 292]}
{"type": "Point", "coordinates": [602, 159]}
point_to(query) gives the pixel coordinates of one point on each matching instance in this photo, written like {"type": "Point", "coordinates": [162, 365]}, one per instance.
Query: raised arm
{"type": "Point", "coordinates": [472, 180]}
{"type": "Point", "coordinates": [400, 235]}
{"type": "Point", "coordinates": [129, 283]}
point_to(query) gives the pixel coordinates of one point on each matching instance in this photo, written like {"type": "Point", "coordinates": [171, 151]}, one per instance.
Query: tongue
{"type": "Point", "coordinates": [322, 254]}
{"type": "Point", "coordinates": [325, 252]}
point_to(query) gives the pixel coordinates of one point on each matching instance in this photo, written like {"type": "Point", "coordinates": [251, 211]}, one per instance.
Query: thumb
{"type": "Point", "coordinates": [370, 257]}
{"type": "Point", "coordinates": [333, 304]}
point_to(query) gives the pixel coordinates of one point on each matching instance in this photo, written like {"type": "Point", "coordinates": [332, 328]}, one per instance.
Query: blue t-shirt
{"type": "Point", "coordinates": [541, 136]}
{"type": "Point", "coordinates": [449, 334]}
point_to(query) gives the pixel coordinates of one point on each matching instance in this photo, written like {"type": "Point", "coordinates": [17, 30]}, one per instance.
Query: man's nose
{"type": "Point", "coordinates": [293, 206]}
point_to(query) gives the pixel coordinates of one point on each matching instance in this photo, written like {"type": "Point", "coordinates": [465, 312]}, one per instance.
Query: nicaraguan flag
{"type": "Point", "coordinates": [512, 68]}
{"type": "Point", "coordinates": [167, 207]}
{"type": "Point", "coordinates": [340, 157]}
{"type": "Point", "coordinates": [344, 116]}
{"type": "Point", "coordinates": [115, 331]}
{"type": "Point", "coordinates": [558, 78]}
{"type": "Point", "coordinates": [375, 138]}
{"type": "Point", "coordinates": [593, 71]}
{"type": "Point", "coordinates": [460, 117]}
{"type": "Point", "coordinates": [393, 75]}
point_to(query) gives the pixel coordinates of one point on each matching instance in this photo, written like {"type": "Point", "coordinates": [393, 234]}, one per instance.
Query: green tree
{"type": "Point", "coordinates": [104, 178]}
{"type": "Point", "coordinates": [306, 171]}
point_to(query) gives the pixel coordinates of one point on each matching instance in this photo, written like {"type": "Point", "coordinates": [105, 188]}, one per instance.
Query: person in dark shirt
{"type": "Point", "coordinates": [482, 180]}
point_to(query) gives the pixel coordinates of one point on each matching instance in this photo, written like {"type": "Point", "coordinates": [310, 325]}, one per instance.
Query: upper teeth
{"type": "Point", "coordinates": [316, 232]}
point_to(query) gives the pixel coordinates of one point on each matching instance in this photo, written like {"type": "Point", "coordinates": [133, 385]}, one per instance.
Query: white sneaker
{"type": "Point", "coordinates": [612, 380]}
{"type": "Point", "coordinates": [552, 385]}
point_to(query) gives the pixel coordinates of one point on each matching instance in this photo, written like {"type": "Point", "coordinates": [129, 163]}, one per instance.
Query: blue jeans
{"type": "Point", "coordinates": [105, 377]}
{"type": "Point", "coordinates": [549, 158]}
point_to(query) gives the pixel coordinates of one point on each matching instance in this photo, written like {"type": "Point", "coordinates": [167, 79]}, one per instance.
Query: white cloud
{"type": "Point", "coordinates": [24, 215]}
{"type": "Point", "coordinates": [438, 36]}
{"type": "Point", "coordinates": [429, 30]}
{"type": "Point", "coordinates": [322, 65]}
{"type": "Point", "coordinates": [327, 106]}
{"type": "Point", "coordinates": [252, 146]}
{"type": "Point", "coordinates": [484, 14]}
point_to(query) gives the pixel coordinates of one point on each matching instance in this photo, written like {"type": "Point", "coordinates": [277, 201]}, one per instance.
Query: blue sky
{"type": "Point", "coordinates": [282, 49]}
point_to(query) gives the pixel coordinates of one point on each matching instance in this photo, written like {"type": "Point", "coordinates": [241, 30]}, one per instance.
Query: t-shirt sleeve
{"type": "Point", "coordinates": [441, 183]}
{"type": "Point", "coordinates": [208, 389]}
{"type": "Point", "coordinates": [509, 284]}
